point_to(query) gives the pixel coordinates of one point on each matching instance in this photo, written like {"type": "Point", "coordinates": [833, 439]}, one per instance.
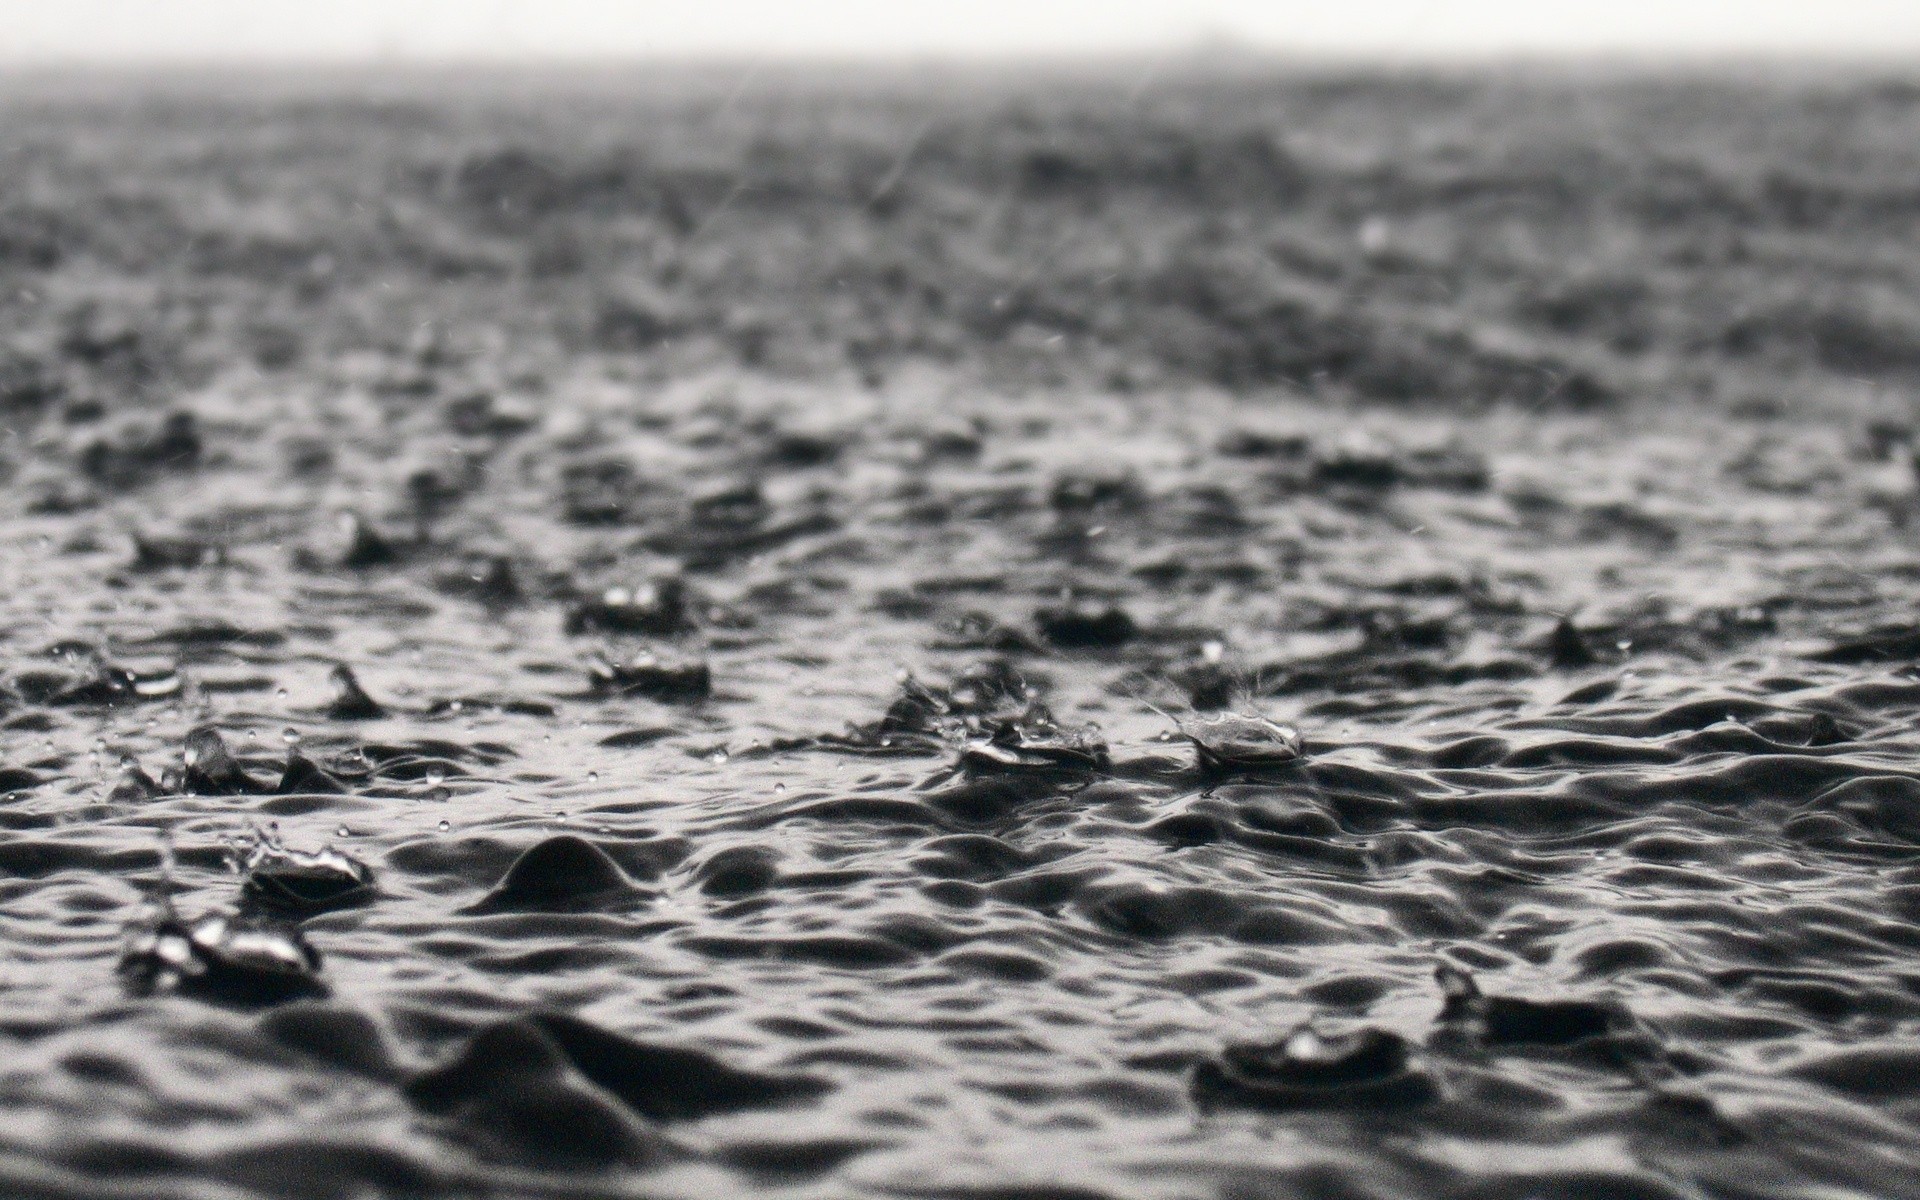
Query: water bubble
{"type": "Point", "coordinates": [717, 757]}
{"type": "Point", "coordinates": [779, 787]}
{"type": "Point", "coordinates": [593, 777]}
{"type": "Point", "coordinates": [343, 832]}
{"type": "Point", "coordinates": [435, 777]}
{"type": "Point", "coordinates": [280, 693]}
{"type": "Point", "coordinates": [290, 736]}
{"type": "Point", "coordinates": [444, 826]}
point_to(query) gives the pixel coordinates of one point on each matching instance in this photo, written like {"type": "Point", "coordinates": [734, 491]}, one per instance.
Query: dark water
{"type": "Point", "coordinates": [748, 784]}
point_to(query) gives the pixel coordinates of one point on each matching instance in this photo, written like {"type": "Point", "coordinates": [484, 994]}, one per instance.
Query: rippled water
{"type": "Point", "coordinates": [840, 730]}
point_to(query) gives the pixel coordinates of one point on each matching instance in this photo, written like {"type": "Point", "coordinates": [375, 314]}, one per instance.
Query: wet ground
{"type": "Point", "coordinates": [628, 704]}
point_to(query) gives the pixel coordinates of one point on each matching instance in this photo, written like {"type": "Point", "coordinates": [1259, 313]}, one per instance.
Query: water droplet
{"type": "Point", "coordinates": [1213, 652]}
{"type": "Point", "coordinates": [343, 832]}
{"type": "Point", "coordinates": [593, 777]}
{"type": "Point", "coordinates": [444, 826]}
{"type": "Point", "coordinates": [280, 693]}
{"type": "Point", "coordinates": [435, 777]}
{"type": "Point", "coordinates": [779, 787]}
{"type": "Point", "coordinates": [717, 757]}
{"type": "Point", "coordinates": [290, 736]}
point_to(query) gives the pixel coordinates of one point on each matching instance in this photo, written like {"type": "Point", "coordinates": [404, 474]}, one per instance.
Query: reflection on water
{"type": "Point", "coordinates": [748, 786]}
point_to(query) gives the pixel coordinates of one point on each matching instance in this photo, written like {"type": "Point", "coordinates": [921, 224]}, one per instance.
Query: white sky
{"type": "Point", "coordinates": [358, 30]}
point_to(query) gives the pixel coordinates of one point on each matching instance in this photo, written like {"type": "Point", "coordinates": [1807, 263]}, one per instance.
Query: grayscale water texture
{"type": "Point", "coordinates": [821, 565]}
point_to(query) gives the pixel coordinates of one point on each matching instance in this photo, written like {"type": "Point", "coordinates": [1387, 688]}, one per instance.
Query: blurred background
{"type": "Point", "coordinates": [434, 30]}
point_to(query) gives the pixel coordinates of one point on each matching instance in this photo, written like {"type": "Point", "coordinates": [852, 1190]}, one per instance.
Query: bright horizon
{"type": "Point", "coordinates": [452, 31]}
